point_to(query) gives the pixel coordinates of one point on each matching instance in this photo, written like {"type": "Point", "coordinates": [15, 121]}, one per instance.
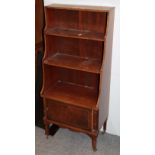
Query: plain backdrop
{"type": "Point", "coordinates": [113, 126]}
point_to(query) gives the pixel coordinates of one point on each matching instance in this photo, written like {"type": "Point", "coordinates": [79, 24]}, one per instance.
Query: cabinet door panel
{"type": "Point", "coordinates": [70, 115]}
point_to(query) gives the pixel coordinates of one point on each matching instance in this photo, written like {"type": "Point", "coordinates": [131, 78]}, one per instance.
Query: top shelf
{"type": "Point", "coordinates": [81, 7]}
{"type": "Point", "coordinates": [73, 33]}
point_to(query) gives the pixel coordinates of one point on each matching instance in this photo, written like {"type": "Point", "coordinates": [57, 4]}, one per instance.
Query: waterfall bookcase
{"type": "Point", "coordinates": [76, 67]}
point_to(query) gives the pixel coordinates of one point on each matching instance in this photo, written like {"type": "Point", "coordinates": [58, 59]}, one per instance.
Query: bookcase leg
{"type": "Point", "coordinates": [105, 126]}
{"type": "Point", "coordinates": [94, 140]}
{"type": "Point", "coordinates": [46, 130]}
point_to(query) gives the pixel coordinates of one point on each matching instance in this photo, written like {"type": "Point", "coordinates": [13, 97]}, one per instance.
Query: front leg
{"type": "Point", "coordinates": [46, 128]}
{"type": "Point", "coordinates": [94, 141]}
{"type": "Point", "coordinates": [45, 118]}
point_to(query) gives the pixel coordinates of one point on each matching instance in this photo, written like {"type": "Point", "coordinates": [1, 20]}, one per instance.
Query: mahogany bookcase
{"type": "Point", "coordinates": [76, 67]}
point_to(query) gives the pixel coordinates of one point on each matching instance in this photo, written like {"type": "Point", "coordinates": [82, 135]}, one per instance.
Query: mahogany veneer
{"type": "Point", "coordinates": [72, 94]}
{"type": "Point", "coordinates": [74, 62]}
{"type": "Point", "coordinates": [76, 67]}
{"type": "Point", "coordinates": [72, 33]}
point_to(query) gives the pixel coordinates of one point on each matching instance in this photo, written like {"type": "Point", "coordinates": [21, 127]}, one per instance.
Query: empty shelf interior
{"type": "Point", "coordinates": [72, 94]}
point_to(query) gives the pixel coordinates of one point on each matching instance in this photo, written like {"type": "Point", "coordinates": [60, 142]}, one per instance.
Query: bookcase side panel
{"type": "Point", "coordinates": [105, 75]}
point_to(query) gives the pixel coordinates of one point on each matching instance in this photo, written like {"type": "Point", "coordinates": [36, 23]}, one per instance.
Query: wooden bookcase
{"type": "Point", "coordinates": [76, 67]}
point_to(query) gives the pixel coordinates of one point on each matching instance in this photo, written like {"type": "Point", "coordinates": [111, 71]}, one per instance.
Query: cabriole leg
{"type": "Point", "coordinates": [94, 141]}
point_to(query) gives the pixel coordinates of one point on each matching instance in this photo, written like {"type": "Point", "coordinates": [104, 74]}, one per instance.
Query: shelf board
{"type": "Point", "coordinates": [72, 94]}
{"type": "Point", "coordinates": [73, 33]}
{"type": "Point", "coordinates": [80, 7]}
{"type": "Point", "coordinates": [74, 62]}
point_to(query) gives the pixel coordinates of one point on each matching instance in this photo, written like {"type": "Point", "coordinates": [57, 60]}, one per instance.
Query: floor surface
{"type": "Point", "coordinates": [66, 142]}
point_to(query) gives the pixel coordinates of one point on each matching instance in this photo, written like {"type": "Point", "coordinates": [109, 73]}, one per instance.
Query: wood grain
{"type": "Point", "coordinates": [74, 62]}
{"type": "Point", "coordinates": [72, 94]}
{"type": "Point", "coordinates": [73, 33]}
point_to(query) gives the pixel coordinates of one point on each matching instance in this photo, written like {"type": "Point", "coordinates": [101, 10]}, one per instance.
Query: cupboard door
{"type": "Point", "coordinates": [69, 115]}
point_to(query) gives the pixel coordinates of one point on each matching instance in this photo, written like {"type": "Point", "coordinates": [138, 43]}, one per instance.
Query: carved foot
{"type": "Point", "coordinates": [94, 140]}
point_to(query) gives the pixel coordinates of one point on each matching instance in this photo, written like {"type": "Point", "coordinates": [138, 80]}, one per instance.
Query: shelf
{"type": "Point", "coordinates": [72, 94]}
{"type": "Point", "coordinates": [80, 7]}
{"type": "Point", "coordinates": [72, 33]}
{"type": "Point", "coordinates": [74, 62]}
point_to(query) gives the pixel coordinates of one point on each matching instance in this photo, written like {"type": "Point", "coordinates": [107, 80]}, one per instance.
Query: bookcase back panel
{"type": "Point", "coordinates": [61, 18]}
{"type": "Point", "coordinates": [49, 78]}
{"type": "Point", "coordinates": [74, 19]}
{"type": "Point", "coordinates": [75, 47]}
{"type": "Point", "coordinates": [54, 74]}
{"type": "Point", "coordinates": [93, 21]}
